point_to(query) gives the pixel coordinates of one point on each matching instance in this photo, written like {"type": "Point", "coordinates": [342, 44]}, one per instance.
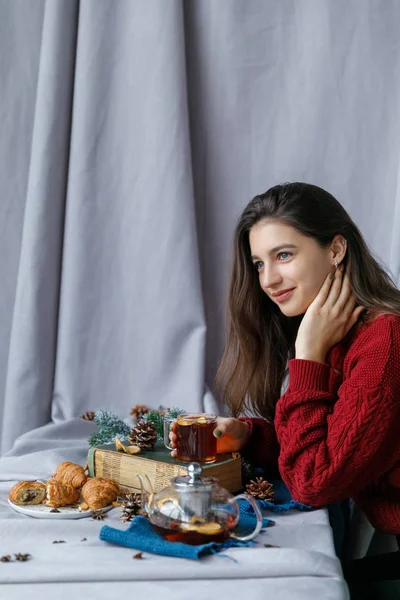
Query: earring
{"type": "Point", "coordinates": [343, 242]}
{"type": "Point", "coordinates": [336, 264]}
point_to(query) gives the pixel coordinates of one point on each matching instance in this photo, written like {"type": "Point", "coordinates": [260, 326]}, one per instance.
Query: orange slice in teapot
{"type": "Point", "coordinates": [195, 520]}
{"type": "Point", "coordinates": [209, 528]}
{"type": "Point", "coordinates": [188, 527]}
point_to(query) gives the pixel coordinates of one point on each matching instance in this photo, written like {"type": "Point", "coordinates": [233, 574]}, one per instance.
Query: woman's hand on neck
{"type": "Point", "coordinates": [328, 319]}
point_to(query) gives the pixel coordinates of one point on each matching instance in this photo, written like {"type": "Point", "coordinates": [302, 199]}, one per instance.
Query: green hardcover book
{"type": "Point", "coordinates": [159, 466]}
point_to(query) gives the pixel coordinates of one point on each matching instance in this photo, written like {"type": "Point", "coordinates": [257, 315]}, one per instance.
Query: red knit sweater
{"type": "Point", "coordinates": [336, 433]}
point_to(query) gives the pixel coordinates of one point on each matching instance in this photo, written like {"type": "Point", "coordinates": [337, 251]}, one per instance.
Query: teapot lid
{"type": "Point", "coordinates": [194, 479]}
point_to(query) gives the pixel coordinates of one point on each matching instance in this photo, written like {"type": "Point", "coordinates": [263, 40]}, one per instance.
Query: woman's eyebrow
{"type": "Point", "coordinates": [276, 249]}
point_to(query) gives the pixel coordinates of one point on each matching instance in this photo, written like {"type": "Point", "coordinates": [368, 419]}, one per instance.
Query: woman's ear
{"type": "Point", "coordinates": [338, 249]}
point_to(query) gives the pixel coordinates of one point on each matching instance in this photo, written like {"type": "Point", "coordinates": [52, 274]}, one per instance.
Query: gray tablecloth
{"type": "Point", "coordinates": [304, 565]}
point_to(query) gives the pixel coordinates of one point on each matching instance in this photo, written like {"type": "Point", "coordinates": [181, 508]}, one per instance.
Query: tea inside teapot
{"type": "Point", "coordinates": [194, 533]}
{"type": "Point", "coordinates": [196, 510]}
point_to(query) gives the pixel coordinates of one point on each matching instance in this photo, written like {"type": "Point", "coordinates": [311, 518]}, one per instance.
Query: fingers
{"type": "Point", "coordinates": [324, 290]}
{"type": "Point", "coordinates": [231, 435]}
{"type": "Point", "coordinates": [346, 303]}
{"type": "Point", "coordinates": [226, 425]}
{"type": "Point", "coordinates": [173, 438]}
{"type": "Point", "coordinates": [348, 308]}
{"type": "Point", "coordinates": [221, 428]}
{"type": "Point", "coordinates": [346, 294]}
{"type": "Point", "coordinates": [355, 316]}
{"type": "Point", "coordinates": [336, 287]}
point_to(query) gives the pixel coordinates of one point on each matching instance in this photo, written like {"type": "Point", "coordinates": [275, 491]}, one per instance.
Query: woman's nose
{"type": "Point", "coordinates": [270, 277]}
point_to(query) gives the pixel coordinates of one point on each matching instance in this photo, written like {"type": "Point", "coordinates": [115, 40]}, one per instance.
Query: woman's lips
{"type": "Point", "coordinates": [282, 297]}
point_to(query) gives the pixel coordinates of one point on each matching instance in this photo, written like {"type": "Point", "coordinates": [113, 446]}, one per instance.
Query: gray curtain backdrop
{"type": "Point", "coordinates": [132, 133]}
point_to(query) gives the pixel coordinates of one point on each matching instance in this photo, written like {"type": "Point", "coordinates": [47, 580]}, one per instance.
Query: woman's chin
{"type": "Point", "coordinates": [293, 310]}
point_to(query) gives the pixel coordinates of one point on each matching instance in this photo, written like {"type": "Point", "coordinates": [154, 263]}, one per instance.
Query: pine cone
{"type": "Point", "coordinates": [131, 506]}
{"type": "Point", "coordinates": [88, 416]}
{"type": "Point", "coordinates": [138, 411]}
{"type": "Point", "coordinates": [144, 435]}
{"type": "Point", "coordinates": [261, 489]}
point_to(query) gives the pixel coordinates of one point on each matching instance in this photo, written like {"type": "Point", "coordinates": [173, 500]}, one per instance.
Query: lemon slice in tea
{"type": "Point", "coordinates": [209, 528]}
{"type": "Point", "coordinates": [201, 420]}
{"type": "Point", "coordinates": [183, 422]}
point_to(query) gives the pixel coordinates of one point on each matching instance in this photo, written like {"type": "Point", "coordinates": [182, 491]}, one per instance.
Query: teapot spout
{"type": "Point", "coordinates": [147, 492]}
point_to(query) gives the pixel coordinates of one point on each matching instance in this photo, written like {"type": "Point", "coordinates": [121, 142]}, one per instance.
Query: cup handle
{"type": "Point", "coordinates": [167, 423]}
{"type": "Point", "coordinates": [257, 529]}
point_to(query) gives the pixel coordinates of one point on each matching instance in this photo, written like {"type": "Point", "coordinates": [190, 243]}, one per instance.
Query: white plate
{"type": "Point", "coordinates": [41, 511]}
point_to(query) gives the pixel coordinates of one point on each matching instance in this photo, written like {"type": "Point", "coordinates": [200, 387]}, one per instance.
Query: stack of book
{"type": "Point", "coordinates": [159, 466]}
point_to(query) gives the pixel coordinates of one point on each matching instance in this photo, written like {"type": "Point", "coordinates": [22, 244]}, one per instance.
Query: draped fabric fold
{"type": "Point", "coordinates": [133, 132]}
{"type": "Point", "coordinates": [34, 330]}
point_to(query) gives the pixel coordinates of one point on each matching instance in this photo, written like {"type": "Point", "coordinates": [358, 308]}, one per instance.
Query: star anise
{"type": "Point", "coordinates": [6, 558]}
{"type": "Point", "coordinates": [99, 515]}
{"type": "Point", "coordinates": [22, 557]}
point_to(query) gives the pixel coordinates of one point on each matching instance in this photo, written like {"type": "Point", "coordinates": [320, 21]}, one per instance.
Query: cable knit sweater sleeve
{"type": "Point", "coordinates": [262, 447]}
{"type": "Point", "coordinates": [333, 445]}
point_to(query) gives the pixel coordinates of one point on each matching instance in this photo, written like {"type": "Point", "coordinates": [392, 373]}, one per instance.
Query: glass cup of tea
{"type": "Point", "coordinates": [196, 441]}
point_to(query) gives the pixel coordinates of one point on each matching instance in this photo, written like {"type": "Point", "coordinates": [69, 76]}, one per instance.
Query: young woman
{"type": "Point", "coordinates": [308, 300]}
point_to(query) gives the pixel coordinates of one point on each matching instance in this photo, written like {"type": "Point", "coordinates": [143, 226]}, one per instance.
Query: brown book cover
{"type": "Point", "coordinates": [159, 466]}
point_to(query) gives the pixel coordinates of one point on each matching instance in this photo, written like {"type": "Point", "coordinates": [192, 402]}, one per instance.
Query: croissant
{"type": "Point", "coordinates": [99, 492]}
{"type": "Point", "coordinates": [70, 473]}
{"type": "Point", "coordinates": [27, 492]}
{"type": "Point", "coordinates": [59, 494]}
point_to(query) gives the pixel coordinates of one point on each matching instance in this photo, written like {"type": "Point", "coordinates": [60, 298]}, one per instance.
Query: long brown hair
{"type": "Point", "coordinates": [260, 338]}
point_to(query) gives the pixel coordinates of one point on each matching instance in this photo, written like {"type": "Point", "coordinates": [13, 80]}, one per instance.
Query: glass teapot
{"type": "Point", "coordinates": [195, 509]}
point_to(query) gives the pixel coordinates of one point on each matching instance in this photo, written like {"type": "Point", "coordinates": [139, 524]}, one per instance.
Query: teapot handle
{"type": "Point", "coordinates": [257, 529]}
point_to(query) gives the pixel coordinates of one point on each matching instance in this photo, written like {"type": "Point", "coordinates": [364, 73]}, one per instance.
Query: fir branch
{"type": "Point", "coordinates": [110, 426]}
{"type": "Point", "coordinates": [175, 412]}
{"type": "Point", "coordinates": [155, 417]}
{"type": "Point", "coordinates": [105, 418]}
{"type": "Point", "coordinates": [249, 471]}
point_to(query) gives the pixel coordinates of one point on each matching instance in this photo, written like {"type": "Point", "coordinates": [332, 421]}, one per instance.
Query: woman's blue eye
{"type": "Point", "coordinates": [284, 255]}
{"type": "Point", "coordinates": [258, 265]}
